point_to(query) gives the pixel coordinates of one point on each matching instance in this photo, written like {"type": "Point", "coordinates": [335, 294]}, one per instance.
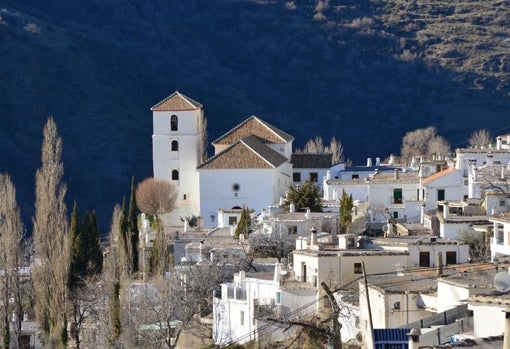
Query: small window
{"type": "Point", "coordinates": [242, 318]}
{"type": "Point", "coordinates": [279, 297]}
{"type": "Point", "coordinates": [296, 177]}
{"type": "Point", "coordinates": [314, 177]}
{"type": "Point", "coordinates": [355, 176]}
{"type": "Point", "coordinates": [357, 268]}
{"type": "Point", "coordinates": [236, 187]}
{"type": "Point", "coordinates": [184, 197]}
{"type": "Point", "coordinates": [395, 214]}
{"type": "Point", "coordinates": [232, 220]}
{"type": "Point", "coordinates": [502, 203]}
{"type": "Point", "coordinates": [397, 195]}
{"type": "Point", "coordinates": [466, 181]}
{"type": "Point", "coordinates": [173, 123]}
{"type": "Point", "coordinates": [175, 146]}
{"type": "Point", "coordinates": [292, 229]}
{"type": "Point", "coordinates": [396, 306]}
{"type": "Point", "coordinates": [175, 175]}
{"type": "Point", "coordinates": [440, 195]}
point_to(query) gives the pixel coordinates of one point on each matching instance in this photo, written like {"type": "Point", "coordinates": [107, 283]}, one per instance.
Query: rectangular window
{"type": "Point", "coordinates": [184, 197]}
{"type": "Point", "coordinates": [355, 176]}
{"type": "Point", "coordinates": [232, 220]}
{"type": "Point", "coordinates": [397, 195]}
{"type": "Point", "coordinates": [425, 259]}
{"type": "Point", "coordinates": [451, 257]}
{"type": "Point", "coordinates": [278, 297]}
{"type": "Point", "coordinates": [296, 177]}
{"type": "Point", "coordinates": [395, 214]}
{"type": "Point", "coordinates": [440, 195]}
{"type": "Point", "coordinates": [314, 177]}
{"type": "Point", "coordinates": [502, 203]}
{"type": "Point", "coordinates": [357, 268]}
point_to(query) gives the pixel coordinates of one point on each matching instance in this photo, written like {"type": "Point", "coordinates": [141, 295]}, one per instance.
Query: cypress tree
{"type": "Point", "coordinates": [77, 265]}
{"type": "Point", "coordinates": [133, 226]}
{"type": "Point", "coordinates": [244, 225]}
{"type": "Point", "coordinates": [92, 245]}
{"type": "Point", "coordinates": [346, 205]}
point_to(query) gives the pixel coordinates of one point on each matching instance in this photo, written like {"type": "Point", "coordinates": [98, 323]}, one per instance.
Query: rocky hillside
{"type": "Point", "coordinates": [363, 71]}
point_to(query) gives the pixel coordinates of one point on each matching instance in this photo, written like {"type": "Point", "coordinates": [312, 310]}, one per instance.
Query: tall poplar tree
{"type": "Point", "coordinates": [11, 228]}
{"type": "Point", "coordinates": [51, 241]}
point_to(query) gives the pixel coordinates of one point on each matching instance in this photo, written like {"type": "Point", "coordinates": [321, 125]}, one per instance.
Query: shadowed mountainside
{"type": "Point", "coordinates": [365, 72]}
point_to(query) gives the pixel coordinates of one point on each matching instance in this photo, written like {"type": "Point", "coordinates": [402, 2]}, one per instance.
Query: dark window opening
{"type": "Point", "coordinates": [425, 259]}
{"type": "Point", "coordinates": [232, 220]}
{"type": "Point", "coordinates": [440, 195]}
{"type": "Point", "coordinates": [451, 257]}
{"type": "Point", "coordinates": [314, 177]}
{"type": "Point", "coordinates": [175, 175]}
{"type": "Point", "coordinates": [173, 123]}
{"type": "Point", "coordinates": [175, 146]}
{"type": "Point", "coordinates": [357, 268]}
{"type": "Point", "coordinates": [397, 195]}
{"type": "Point", "coordinates": [355, 176]}
{"type": "Point", "coordinates": [296, 177]}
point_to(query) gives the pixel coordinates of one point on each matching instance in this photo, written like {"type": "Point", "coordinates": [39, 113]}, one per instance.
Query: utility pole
{"type": "Point", "coordinates": [335, 341]}
{"type": "Point", "coordinates": [371, 329]}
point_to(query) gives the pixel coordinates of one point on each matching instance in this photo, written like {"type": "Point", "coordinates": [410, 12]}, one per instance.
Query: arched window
{"type": "Point", "coordinates": [175, 175]}
{"type": "Point", "coordinates": [175, 146]}
{"type": "Point", "coordinates": [173, 123]}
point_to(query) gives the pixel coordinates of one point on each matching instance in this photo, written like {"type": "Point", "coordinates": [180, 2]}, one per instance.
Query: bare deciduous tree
{"type": "Point", "coordinates": [423, 141]}
{"type": "Point", "coordinates": [11, 255]}
{"type": "Point", "coordinates": [167, 306]}
{"type": "Point", "coordinates": [480, 138]}
{"type": "Point", "coordinates": [316, 146]}
{"type": "Point", "coordinates": [156, 196]}
{"type": "Point", "coordinates": [51, 241]}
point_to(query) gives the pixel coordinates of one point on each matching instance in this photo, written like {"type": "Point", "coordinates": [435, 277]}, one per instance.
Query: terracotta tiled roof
{"type": "Point", "coordinates": [311, 160]}
{"type": "Point", "coordinates": [254, 126]}
{"type": "Point", "coordinates": [437, 175]}
{"type": "Point", "coordinates": [248, 153]}
{"type": "Point", "coordinates": [176, 101]}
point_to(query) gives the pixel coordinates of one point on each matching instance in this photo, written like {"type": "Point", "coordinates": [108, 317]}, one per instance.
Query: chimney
{"type": "Point", "coordinates": [422, 214]}
{"type": "Point", "coordinates": [446, 210]}
{"type": "Point", "coordinates": [277, 271]}
{"type": "Point", "coordinates": [396, 174]}
{"type": "Point", "coordinates": [392, 160]}
{"type": "Point", "coordinates": [369, 162]}
{"type": "Point", "coordinates": [414, 338]}
{"type": "Point", "coordinates": [186, 225]}
{"type": "Point", "coordinates": [439, 264]}
{"type": "Point", "coordinates": [498, 143]}
{"type": "Point", "coordinates": [377, 161]}
{"type": "Point", "coordinates": [502, 172]}
{"type": "Point", "coordinates": [307, 214]}
{"type": "Point", "coordinates": [292, 207]}
{"type": "Point", "coordinates": [313, 237]}
{"type": "Point", "coordinates": [489, 159]}
{"type": "Point", "coordinates": [328, 174]}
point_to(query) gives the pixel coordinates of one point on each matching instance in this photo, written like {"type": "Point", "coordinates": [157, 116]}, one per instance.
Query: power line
{"type": "Point", "coordinates": [287, 316]}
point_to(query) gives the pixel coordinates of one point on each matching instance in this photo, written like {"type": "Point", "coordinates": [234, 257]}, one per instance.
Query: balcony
{"type": "Point", "coordinates": [234, 292]}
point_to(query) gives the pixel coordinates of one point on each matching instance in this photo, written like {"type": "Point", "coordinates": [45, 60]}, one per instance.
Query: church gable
{"type": "Point", "coordinates": [249, 153]}
{"type": "Point", "coordinates": [257, 127]}
{"type": "Point", "coordinates": [176, 101]}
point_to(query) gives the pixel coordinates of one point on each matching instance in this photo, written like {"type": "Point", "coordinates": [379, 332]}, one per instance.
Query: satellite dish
{"type": "Point", "coordinates": [502, 281]}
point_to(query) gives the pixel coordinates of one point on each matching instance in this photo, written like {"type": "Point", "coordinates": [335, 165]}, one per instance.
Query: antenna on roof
{"type": "Point", "coordinates": [502, 281]}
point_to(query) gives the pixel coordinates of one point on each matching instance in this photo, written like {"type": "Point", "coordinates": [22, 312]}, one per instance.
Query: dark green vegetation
{"type": "Point", "coordinates": [363, 71]}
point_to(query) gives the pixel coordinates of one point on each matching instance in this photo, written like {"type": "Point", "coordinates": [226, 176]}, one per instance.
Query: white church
{"type": "Point", "coordinates": [250, 167]}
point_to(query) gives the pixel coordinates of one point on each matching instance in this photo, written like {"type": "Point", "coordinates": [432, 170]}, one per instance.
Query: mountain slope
{"type": "Point", "coordinates": [365, 72]}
